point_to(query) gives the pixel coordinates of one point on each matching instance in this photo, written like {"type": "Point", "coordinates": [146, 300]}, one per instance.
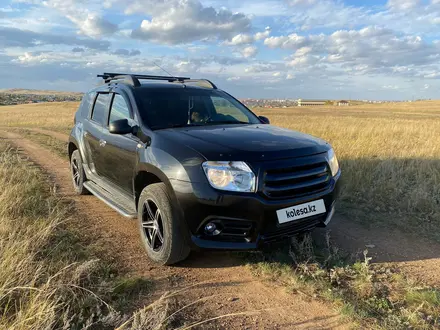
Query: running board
{"type": "Point", "coordinates": [121, 205]}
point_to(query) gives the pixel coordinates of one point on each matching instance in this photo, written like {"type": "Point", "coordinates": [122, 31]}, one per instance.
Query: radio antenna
{"type": "Point", "coordinates": [163, 70]}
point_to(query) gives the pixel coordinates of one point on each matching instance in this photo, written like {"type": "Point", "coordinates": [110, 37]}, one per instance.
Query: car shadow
{"type": "Point", "coordinates": [211, 259]}
{"type": "Point", "coordinates": [390, 207]}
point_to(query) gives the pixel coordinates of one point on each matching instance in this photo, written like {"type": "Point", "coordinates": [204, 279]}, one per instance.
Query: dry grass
{"type": "Point", "coordinates": [37, 92]}
{"type": "Point", "coordinates": [50, 278]}
{"type": "Point", "coordinates": [56, 115]}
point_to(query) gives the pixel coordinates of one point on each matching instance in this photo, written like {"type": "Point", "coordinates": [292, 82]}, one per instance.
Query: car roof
{"type": "Point", "coordinates": [152, 85]}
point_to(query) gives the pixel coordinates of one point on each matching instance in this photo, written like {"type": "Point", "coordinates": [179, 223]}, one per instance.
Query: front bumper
{"type": "Point", "coordinates": [247, 220]}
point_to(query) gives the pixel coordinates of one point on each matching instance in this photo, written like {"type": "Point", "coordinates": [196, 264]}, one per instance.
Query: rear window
{"type": "Point", "coordinates": [86, 101]}
{"type": "Point", "coordinates": [100, 108]}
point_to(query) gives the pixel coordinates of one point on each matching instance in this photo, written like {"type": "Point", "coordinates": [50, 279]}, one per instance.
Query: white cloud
{"type": "Point", "coordinates": [263, 35]}
{"type": "Point", "coordinates": [403, 4]}
{"type": "Point", "coordinates": [303, 61]}
{"type": "Point", "coordinates": [249, 51]}
{"type": "Point", "coordinates": [390, 87]}
{"type": "Point", "coordinates": [88, 21]}
{"type": "Point", "coordinates": [313, 14]}
{"type": "Point", "coordinates": [261, 67]}
{"type": "Point", "coordinates": [408, 16]}
{"type": "Point", "coordinates": [292, 41]}
{"type": "Point", "coordinates": [126, 52]}
{"type": "Point", "coordinates": [187, 66]}
{"type": "Point", "coordinates": [95, 26]}
{"type": "Point", "coordinates": [240, 39]}
{"type": "Point", "coordinates": [255, 8]}
{"type": "Point", "coordinates": [183, 21]}
{"type": "Point", "coordinates": [246, 39]}
{"type": "Point", "coordinates": [371, 50]}
{"type": "Point", "coordinates": [303, 51]}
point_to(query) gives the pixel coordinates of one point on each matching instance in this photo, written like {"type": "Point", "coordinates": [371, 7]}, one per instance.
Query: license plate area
{"type": "Point", "coordinates": [301, 211]}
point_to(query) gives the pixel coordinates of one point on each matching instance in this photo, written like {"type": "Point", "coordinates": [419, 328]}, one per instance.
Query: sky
{"type": "Point", "coordinates": [320, 49]}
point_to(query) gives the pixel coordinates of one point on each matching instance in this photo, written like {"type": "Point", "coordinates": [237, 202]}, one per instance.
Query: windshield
{"type": "Point", "coordinates": [166, 108]}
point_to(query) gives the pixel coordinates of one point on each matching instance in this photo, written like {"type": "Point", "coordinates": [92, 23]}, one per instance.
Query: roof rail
{"type": "Point", "coordinates": [133, 79]}
{"type": "Point", "coordinates": [202, 82]}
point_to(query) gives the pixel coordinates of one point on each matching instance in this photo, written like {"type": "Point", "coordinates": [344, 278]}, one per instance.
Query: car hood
{"type": "Point", "coordinates": [246, 142]}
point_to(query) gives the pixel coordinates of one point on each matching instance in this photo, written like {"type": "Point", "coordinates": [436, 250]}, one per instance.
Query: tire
{"type": "Point", "coordinates": [78, 174]}
{"type": "Point", "coordinates": [169, 245]}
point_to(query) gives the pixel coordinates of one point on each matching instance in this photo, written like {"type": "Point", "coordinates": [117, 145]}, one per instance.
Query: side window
{"type": "Point", "coordinates": [100, 108]}
{"type": "Point", "coordinates": [119, 109]}
{"type": "Point", "coordinates": [227, 109]}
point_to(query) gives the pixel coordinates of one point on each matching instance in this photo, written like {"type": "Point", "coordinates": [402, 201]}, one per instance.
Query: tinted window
{"type": "Point", "coordinates": [119, 109]}
{"type": "Point", "coordinates": [185, 107]}
{"type": "Point", "coordinates": [85, 105]}
{"type": "Point", "coordinates": [100, 108]}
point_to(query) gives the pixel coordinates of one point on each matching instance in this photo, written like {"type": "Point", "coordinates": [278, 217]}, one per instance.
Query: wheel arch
{"type": "Point", "coordinates": [71, 148]}
{"type": "Point", "coordinates": [148, 174]}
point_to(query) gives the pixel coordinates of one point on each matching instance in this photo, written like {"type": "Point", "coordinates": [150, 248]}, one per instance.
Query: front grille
{"type": "Point", "coordinates": [296, 181]}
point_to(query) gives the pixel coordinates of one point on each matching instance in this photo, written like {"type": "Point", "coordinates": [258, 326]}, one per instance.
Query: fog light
{"type": "Point", "coordinates": [212, 229]}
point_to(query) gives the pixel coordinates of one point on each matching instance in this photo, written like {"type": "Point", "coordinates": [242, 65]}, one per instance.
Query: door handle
{"type": "Point", "coordinates": [102, 143]}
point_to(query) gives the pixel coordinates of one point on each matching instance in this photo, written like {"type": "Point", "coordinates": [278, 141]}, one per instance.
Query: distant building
{"type": "Point", "coordinates": [310, 103]}
{"type": "Point", "coordinates": [343, 103]}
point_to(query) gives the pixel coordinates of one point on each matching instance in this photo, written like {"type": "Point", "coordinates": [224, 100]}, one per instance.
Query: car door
{"type": "Point", "coordinates": [93, 132]}
{"type": "Point", "coordinates": [120, 152]}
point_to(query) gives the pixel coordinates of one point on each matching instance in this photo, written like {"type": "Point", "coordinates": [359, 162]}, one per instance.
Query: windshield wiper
{"type": "Point", "coordinates": [219, 122]}
{"type": "Point", "coordinates": [181, 125]}
{"type": "Point", "coordinates": [201, 124]}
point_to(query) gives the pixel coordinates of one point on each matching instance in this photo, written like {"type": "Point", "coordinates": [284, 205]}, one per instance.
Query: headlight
{"type": "Point", "coordinates": [231, 176]}
{"type": "Point", "coordinates": [333, 162]}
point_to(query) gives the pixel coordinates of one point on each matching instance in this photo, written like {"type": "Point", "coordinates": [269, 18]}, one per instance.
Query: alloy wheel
{"type": "Point", "coordinates": [152, 225]}
{"type": "Point", "coordinates": [75, 172]}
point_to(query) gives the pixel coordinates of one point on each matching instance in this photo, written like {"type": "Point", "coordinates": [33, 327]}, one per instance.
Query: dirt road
{"type": "Point", "coordinates": [417, 257]}
{"type": "Point", "coordinates": [229, 284]}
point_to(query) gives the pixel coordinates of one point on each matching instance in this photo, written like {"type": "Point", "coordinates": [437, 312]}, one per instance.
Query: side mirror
{"type": "Point", "coordinates": [264, 120]}
{"type": "Point", "coordinates": [120, 126]}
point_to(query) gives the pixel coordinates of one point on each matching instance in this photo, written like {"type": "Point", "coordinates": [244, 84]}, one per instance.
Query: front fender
{"type": "Point", "coordinates": [166, 165]}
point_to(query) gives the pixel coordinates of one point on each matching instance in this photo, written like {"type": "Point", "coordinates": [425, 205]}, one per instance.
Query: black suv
{"type": "Point", "coordinates": [196, 167]}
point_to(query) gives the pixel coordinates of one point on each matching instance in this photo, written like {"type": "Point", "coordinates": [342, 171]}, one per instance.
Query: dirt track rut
{"type": "Point", "coordinates": [232, 287]}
